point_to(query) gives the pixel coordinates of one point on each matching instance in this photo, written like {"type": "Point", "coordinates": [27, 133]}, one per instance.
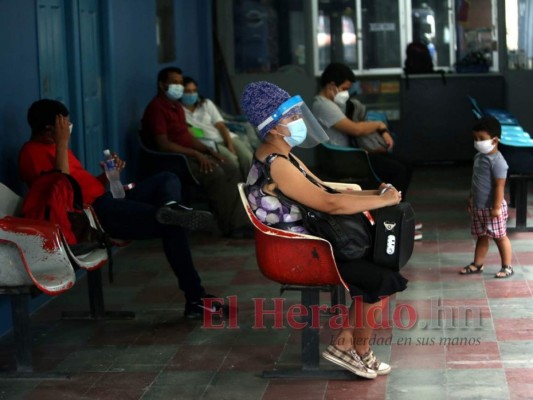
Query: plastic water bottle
{"type": "Point", "coordinates": [113, 176]}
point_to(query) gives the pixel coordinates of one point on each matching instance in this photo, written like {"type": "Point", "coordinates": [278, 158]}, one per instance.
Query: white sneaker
{"type": "Point", "coordinates": [373, 363]}
{"type": "Point", "coordinates": [349, 360]}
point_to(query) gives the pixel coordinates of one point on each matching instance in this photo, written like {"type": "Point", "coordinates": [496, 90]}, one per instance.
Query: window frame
{"type": "Point", "coordinates": [406, 33]}
{"type": "Point", "coordinates": [312, 64]}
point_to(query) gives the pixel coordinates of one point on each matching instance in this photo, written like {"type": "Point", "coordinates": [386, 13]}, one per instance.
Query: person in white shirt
{"type": "Point", "coordinates": [205, 119]}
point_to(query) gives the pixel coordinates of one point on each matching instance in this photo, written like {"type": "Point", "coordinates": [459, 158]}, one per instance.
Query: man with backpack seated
{"type": "Point", "coordinates": [149, 210]}
{"type": "Point", "coordinates": [335, 112]}
{"type": "Point", "coordinates": [340, 118]}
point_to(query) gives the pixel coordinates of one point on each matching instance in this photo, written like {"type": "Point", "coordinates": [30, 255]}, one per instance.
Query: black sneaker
{"type": "Point", "coordinates": [179, 215]}
{"type": "Point", "coordinates": [196, 309]}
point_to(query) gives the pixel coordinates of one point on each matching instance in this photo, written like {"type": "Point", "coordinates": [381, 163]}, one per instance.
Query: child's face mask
{"type": "Point", "coordinates": [484, 146]}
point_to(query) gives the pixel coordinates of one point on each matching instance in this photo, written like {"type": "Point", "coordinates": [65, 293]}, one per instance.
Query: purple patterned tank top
{"type": "Point", "coordinates": [268, 208]}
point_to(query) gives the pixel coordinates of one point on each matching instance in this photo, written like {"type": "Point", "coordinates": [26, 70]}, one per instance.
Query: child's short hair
{"type": "Point", "coordinates": [490, 125]}
{"type": "Point", "coordinates": [43, 113]}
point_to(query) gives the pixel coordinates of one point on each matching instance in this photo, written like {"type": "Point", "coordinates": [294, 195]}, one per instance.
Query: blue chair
{"type": "Point", "coordinates": [504, 117]}
{"type": "Point", "coordinates": [346, 165]}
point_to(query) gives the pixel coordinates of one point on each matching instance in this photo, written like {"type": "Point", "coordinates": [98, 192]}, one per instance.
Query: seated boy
{"type": "Point", "coordinates": [149, 210]}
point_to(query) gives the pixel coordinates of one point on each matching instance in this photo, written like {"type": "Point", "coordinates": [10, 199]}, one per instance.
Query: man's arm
{"type": "Point", "coordinates": [198, 151]}
{"type": "Point", "coordinates": [360, 128]}
{"type": "Point", "coordinates": [198, 148]}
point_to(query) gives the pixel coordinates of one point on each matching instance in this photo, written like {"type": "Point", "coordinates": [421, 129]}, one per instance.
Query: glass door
{"type": "Point", "coordinates": [382, 44]}
{"type": "Point", "coordinates": [519, 28]}
{"type": "Point", "coordinates": [337, 32]}
{"type": "Point", "coordinates": [432, 22]}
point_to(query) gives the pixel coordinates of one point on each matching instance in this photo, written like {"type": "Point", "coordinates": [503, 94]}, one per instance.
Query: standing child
{"type": "Point", "coordinates": [486, 204]}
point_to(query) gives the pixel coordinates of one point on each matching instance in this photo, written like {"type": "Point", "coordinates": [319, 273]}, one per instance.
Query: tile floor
{"type": "Point", "coordinates": [471, 336]}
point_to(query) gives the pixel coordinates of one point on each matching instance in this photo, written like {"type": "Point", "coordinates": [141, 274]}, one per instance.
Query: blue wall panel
{"type": "Point", "coordinates": [133, 52]}
{"type": "Point", "coordinates": [19, 80]}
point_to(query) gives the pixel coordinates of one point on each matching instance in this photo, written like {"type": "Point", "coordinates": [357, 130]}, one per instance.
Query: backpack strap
{"type": "Point", "coordinates": [78, 196]}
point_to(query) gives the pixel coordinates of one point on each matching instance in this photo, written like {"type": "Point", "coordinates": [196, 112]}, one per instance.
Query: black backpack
{"type": "Point", "coordinates": [418, 59]}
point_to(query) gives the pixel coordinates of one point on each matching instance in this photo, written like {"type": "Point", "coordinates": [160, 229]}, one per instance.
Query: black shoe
{"type": "Point", "coordinates": [196, 309]}
{"type": "Point", "coordinates": [179, 215]}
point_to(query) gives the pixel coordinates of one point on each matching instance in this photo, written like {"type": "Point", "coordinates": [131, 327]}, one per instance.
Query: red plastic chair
{"type": "Point", "coordinates": [305, 263]}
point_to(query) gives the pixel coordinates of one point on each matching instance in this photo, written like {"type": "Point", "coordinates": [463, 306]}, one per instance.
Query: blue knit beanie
{"type": "Point", "coordinates": [260, 100]}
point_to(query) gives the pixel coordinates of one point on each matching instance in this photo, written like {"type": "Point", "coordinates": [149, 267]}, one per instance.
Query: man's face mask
{"type": "Point", "coordinates": [174, 91]}
{"type": "Point", "coordinates": [341, 97]}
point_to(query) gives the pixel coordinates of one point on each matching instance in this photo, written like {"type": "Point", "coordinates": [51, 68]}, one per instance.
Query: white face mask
{"type": "Point", "coordinates": [341, 97]}
{"type": "Point", "coordinates": [484, 146]}
{"type": "Point", "coordinates": [298, 131]}
{"type": "Point", "coordinates": [174, 91]}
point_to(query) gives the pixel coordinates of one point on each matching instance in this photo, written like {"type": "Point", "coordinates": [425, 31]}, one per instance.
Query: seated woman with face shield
{"type": "Point", "coordinates": [277, 175]}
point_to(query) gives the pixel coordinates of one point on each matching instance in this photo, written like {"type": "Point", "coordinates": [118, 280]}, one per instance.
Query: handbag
{"type": "Point", "coordinates": [349, 234]}
{"type": "Point", "coordinates": [388, 243]}
{"type": "Point", "coordinates": [394, 232]}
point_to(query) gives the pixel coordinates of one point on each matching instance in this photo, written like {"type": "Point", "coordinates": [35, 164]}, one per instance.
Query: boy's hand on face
{"type": "Point", "coordinates": [61, 131]}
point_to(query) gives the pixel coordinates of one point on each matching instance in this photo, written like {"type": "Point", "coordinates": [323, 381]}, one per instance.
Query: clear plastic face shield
{"type": "Point", "coordinates": [295, 106]}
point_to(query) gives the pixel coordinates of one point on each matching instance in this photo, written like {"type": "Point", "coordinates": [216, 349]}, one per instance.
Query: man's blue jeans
{"type": "Point", "coordinates": [133, 218]}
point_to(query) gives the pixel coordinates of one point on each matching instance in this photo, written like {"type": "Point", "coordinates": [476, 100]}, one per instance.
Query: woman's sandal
{"type": "Point", "coordinates": [505, 271]}
{"type": "Point", "coordinates": [468, 269]}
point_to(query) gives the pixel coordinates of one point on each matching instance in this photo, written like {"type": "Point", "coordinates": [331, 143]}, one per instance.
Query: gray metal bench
{"type": "Point", "coordinates": [34, 256]}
